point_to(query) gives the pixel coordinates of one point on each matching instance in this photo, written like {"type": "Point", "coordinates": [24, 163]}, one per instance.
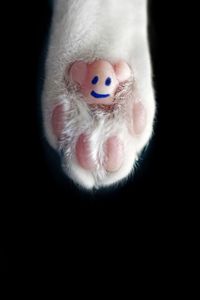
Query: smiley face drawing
{"type": "Point", "coordinates": [95, 81]}
{"type": "Point", "coordinates": [99, 80]}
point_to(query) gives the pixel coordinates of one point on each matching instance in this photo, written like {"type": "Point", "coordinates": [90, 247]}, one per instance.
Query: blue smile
{"type": "Point", "coordinates": [94, 94]}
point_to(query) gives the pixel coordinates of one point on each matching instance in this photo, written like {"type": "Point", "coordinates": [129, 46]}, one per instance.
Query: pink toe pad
{"type": "Point", "coordinates": [114, 152]}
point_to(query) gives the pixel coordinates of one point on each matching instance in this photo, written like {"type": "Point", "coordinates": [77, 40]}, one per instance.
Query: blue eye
{"type": "Point", "coordinates": [95, 80]}
{"type": "Point", "coordinates": [108, 81]}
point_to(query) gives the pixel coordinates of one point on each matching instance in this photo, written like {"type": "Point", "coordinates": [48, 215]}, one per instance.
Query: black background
{"type": "Point", "coordinates": [37, 197]}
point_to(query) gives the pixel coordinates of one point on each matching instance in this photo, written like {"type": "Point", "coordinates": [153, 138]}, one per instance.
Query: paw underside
{"type": "Point", "coordinates": [98, 115]}
{"type": "Point", "coordinates": [99, 138]}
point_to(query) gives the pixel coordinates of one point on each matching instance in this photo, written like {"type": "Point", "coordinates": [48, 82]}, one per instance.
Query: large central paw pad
{"type": "Point", "coordinates": [99, 80]}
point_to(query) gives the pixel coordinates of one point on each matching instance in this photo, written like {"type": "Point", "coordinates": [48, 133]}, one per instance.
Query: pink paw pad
{"type": "Point", "coordinates": [83, 153]}
{"type": "Point", "coordinates": [57, 120]}
{"type": "Point", "coordinates": [113, 150]}
{"type": "Point", "coordinates": [139, 117]}
{"type": "Point", "coordinates": [99, 80]}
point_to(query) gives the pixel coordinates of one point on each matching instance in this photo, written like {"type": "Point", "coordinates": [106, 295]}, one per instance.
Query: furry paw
{"type": "Point", "coordinates": [98, 102]}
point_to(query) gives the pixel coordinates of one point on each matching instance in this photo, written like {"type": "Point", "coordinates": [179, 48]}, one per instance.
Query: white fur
{"type": "Point", "coordinates": [88, 30]}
